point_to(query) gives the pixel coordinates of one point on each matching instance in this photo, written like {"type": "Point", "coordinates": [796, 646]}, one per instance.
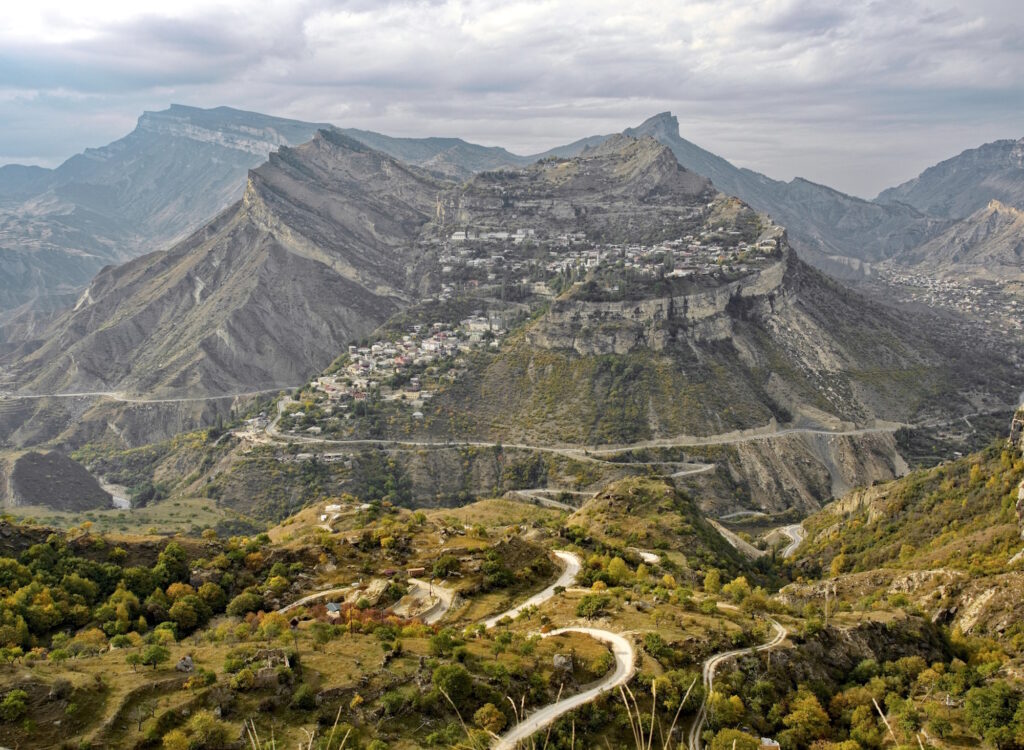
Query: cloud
{"type": "Point", "coordinates": [857, 93]}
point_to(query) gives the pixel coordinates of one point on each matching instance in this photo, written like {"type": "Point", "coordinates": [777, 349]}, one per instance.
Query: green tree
{"type": "Point", "coordinates": [618, 571]}
{"type": "Point", "coordinates": [13, 706]}
{"type": "Point", "coordinates": [155, 655]}
{"type": "Point", "coordinates": [723, 711]}
{"type": "Point", "coordinates": [490, 718]}
{"type": "Point", "coordinates": [734, 739]}
{"type": "Point", "coordinates": [244, 603]}
{"type": "Point", "coordinates": [806, 720]}
{"type": "Point", "coordinates": [989, 711]}
{"type": "Point", "coordinates": [592, 605]}
{"type": "Point", "coordinates": [737, 589]}
{"type": "Point", "coordinates": [455, 681]}
{"type": "Point", "coordinates": [713, 581]}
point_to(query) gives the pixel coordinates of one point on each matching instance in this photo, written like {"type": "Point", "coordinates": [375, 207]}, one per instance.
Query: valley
{"type": "Point", "coordinates": [422, 444]}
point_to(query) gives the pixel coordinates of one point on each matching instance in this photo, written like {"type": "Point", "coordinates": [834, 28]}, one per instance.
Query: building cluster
{"type": "Point", "coordinates": [984, 301]}
{"type": "Point", "coordinates": [384, 367]}
{"type": "Point", "coordinates": [481, 257]}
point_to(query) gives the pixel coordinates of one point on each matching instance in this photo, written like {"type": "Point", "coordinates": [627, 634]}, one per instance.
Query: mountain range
{"type": "Point", "coordinates": [171, 174]}
{"type": "Point", "coordinates": [181, 166]}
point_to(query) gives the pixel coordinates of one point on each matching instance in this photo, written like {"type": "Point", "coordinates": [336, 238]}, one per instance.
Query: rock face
{"type": "Point", "coordinates": [618, 327]}
{"type": "Point", "coordinates": [988, 244]}
{"type": "Point", "coordinates": [783, 342]}
{"type": "Point", "coordinates": [964, 184]}
{"type": "Point", "coordinates": [624, 190]}
{"type": "Point", "coordinates": [178, 168]}
{"type": "Point", "coordinates": [821, 222]}
{"type": "Point", "coordinates": [267, 293]}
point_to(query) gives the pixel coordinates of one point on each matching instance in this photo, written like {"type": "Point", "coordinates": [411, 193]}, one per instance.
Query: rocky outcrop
{"type": "Point", "coordinates": [706, 315]}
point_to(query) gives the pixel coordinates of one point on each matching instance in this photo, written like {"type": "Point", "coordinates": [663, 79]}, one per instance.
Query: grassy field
{"type": "Point", "coordinates": [165, 517]}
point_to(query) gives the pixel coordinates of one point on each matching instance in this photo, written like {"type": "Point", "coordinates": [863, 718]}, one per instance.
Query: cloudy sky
{"type": "Point", "coordinates": [858, 94]}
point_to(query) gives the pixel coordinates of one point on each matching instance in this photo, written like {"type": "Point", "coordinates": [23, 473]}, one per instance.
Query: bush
{"type": "Point", "coordinates": [304, 698]}
{"type": "Point", "coordinates": [592, 605]}
{"type": "Point", "coordinates": [455, 681]}
{"type": "Point", "coordinates": [244, 680]}
{"type": "Point", "coordinates": [244, 603]}
{"type": "Point", "coordinates": [13, 706]}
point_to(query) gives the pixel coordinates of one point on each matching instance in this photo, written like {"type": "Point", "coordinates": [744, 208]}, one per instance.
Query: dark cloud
{"type": "Point", "coordinates": [858, 94]}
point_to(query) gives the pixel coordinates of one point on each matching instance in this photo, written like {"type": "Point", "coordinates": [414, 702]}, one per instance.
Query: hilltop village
{"type": "Point", "coordinates": [544, 266]}
{"type": "Point", "coordinates": [509, 274]}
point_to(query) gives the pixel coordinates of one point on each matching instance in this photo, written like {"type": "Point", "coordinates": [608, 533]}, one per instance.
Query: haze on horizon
{"type": "Point", "coordinates": [856, 94]}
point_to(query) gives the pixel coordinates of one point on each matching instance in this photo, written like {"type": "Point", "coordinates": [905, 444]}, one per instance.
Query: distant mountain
{"type": "Point", "coordinates": [987, 244]}
{"type": "Point", "coordinates": [177, 169]}
{"type": "Point", "coordinates": [315, 254]}
{"type": "Point", "coordinates": [964, 184]}
{"type": "Point", "coordinates": [459, 159]}
{"type": "Point", "coordinates": [826, 226]}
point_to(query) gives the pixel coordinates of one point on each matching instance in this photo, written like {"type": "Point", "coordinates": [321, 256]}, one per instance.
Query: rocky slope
{"type": "Point", "coordinates": [948, 538]}
{"type": "Point", "coordinates": [960, 186]}
{"type": "Point", "coordinates": [826, 226]}
{"type": "Point", "coordinates": [262, 296]}
{"type": "Point", "coordinates": [173, 172]}
{"type": "Point", "coordinates": [781, 343]}
{"type": "Point", "coordinates": [988, 244]}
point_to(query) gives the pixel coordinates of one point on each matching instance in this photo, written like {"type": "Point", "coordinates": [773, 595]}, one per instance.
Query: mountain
{"type": "Point", "coordinates": [315, 255]}
{"type": "Point", "coordinates": [965, 184]}
{"type": "Point", "coordinates": [946, 539]}
{"type": "Point", "coordinates": [781, 342]}
{"type": "Point", "coordinates": [988, 244]}
{"type": "Point", "coordinates": [263, 295]}
{"type": "Point", "coordinates": [457, 159]}
{"type": "Point", "coordinates": [826, 226]}
{"type": "Point", "coordinates": [176, 170]}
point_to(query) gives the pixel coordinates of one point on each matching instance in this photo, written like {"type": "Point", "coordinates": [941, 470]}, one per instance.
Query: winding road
{"type": "Point", "coordinates": [582, 453]}
{"type": "Point", "coordinates": [708, 675]}
{"type": "Point", "coordinates": [625, 660]}
{"type": "Point", "coordinates": [796, 533]}
{"type": "Point", "coordinates": [572, 567]}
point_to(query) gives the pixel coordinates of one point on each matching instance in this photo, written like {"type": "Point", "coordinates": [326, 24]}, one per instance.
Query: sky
{"type": "Point", "coordinates": [856, 94]}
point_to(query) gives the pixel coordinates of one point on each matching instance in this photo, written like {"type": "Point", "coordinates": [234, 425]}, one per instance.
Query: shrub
{"type": "Point", "coordinates": [13, 706]}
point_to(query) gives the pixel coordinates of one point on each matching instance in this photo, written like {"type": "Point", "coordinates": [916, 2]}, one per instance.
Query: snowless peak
{"type": "Point", "coordinates": [664, 123]}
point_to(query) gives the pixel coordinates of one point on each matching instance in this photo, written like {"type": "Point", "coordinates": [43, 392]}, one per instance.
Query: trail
{"type": "Point", "coordinates": [123, 397]}
{"type": "Point", "coordinates": [444, 595]}
{"type": "Point", "coordinates": [312, 598]}
{"type": "Point", "coordinates": [708, 675]}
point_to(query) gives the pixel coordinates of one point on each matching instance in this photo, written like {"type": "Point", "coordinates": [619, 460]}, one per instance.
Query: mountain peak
{"type": "Point", "coordinates": [663, 124]}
